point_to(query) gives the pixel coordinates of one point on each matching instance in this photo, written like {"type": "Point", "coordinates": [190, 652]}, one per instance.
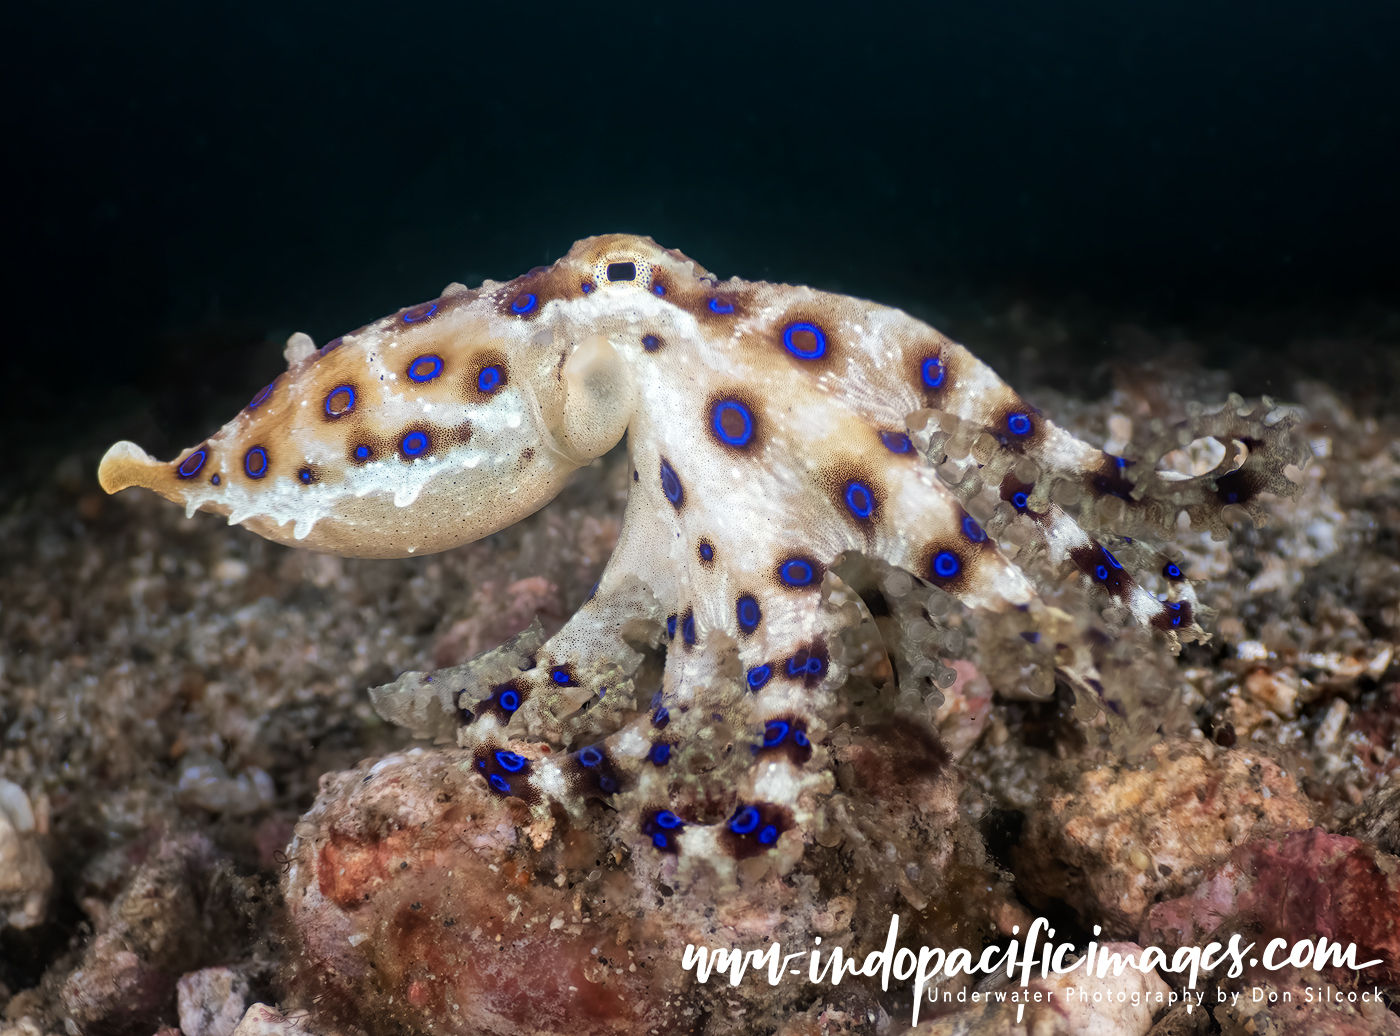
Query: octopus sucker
{"type": "Point", "coordinates": [773, 434]}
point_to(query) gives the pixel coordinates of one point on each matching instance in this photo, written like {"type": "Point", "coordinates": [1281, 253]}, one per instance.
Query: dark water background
{"type": "Point", "coordinates": [188, 183]}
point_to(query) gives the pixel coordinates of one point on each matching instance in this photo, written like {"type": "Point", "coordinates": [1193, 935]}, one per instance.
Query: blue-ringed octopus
{"type": "Point", "coordinates": [771, 431]}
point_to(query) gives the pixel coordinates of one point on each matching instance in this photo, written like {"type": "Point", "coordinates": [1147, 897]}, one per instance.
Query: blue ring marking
{"type": "Point", "coordinates": [1020, 501]}
{"type": "Point", "coordinates": [305, 475]}
{"type": "Point", "coordinates": [745, 820]}
{"type": "Point", "coordinates": [859, 500]}
{"type": "Point", "coordinates": [606, 784]}
{"type": "Point", "coordinates": [185, 471]}
{"type": "Point", "coordinates": [797, 572]}
{"type": "Point", "coordinates": [255, 462]}
{"type": "Point", "coordinates": [716, 306]}
{"type": "Point", "coordinates": [896, 442]}
{"type": "Point", "coordinates": [651, 343]}
{"type": "Point", "coordinates": [660, 754]}
{"type": "Point", "coordinates": [671, 484]}
{"type": "Point", "coordinates": [510, 700]}
{"type": "Point", "coordinates": [768, 835]}
{"type": "Point", "coordinates": [489, 379]}
{"type": "Point", "coordinates": [418, 313]}
{"type": "Point", "coordinates": [349, 391]}
{"type": "Point", "coordinates": [1111, 559]}
{"type": "Point", "coordinates": [932, 371]}
{"type": "Point", "coordinates": [215, 479]}
{"type": "Point", "coordinates": [500, 783]}
{"type": "Point", "coordinates": [668, 820]}
{"type": "Point", "coordinates": [587, 287]}
{"type": "Point", "coordinates": [414, 443]}
{"type": "Point", "coordinates": [671, 627]}
{"type": "Point", "coordinates": [946, 565]}
{"type": "Point", "coordinates": [561, 676]}
{"type": "Point", "coordinates": [688, 628]}
{"type": "Point", "coordinates": [590, 757]}
{"type": "Point", "coordinates": [660, 841]}
{"type": "Point", "coordinates": [758, 676]}
{"type": "Point", "coordinates": [1231, 498]}
{"type": "Point", "coordinates": [1018, 424]}
{"type": "Point", "coordinates": [661, 718]}
{"type": "Point", "coordinates": [747, 611]}
{"type": "Point", "coordinates": [1176, 607]}
{"type": "Point", "coordinates": [261, 397]}
{"type": "Point", "coordinates": [775, 733]}
{"type": "Point", "coordinates": [1172, 570]}
{"type": "Point", "coordinates": [800, 739]}
{"type": "Point", "coordinates": [816, 665]}
{"type": "Point", "coordinates": [972, 530]}
{"type": "Point", "coordinates": [434, 368]}
{"type": "Point", "coordinates": [523, 303]}
{"type": "Point", "coordinates": [818, 349]}
{"type": "Point", "coordinates": [658, 290]}
{"type": "Point", "coordinates": [797, 664]}
{"type": "Point", "coordinates": [728, 406]}
{"type": "Point", "coordinates": [1102, 573]}
{"type": "Point", "coordinates": [707, 552]}
{"type": "Point", "coordinates": [362, 452]}
{"type": "Point", "coordinates": [510, 761]}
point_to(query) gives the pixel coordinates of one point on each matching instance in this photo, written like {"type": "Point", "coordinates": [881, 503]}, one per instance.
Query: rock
{"type": "Point", "coordinates": [420, 900]}
{"type": "Point", "coordinates": [1299, 886]}
{"type": "Point", "coordinates": [1261, 1010]}
{"type": "Point", "coordinates": [211, 1001]}
{"type": "Point", "coordinates": [129, 969]}
{"type": "Point", "coordinates": [25, 877]}
{"type": "Point", "coordinates": [262, 1020]}
{"type": "Point", "coordinates": [1117, 838]}
{"type": "Point", "coordinates": [204, 782]}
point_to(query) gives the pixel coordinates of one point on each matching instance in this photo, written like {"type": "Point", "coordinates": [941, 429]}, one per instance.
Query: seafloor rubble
{"type": "Point", "coordinates": [173, 692]}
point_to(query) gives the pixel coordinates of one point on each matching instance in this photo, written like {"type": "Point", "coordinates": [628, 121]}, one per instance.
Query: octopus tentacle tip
{"type": "Point", "coordinates": [124, 465]}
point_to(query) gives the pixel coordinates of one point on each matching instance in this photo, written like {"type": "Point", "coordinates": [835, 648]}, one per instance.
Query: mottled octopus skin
{"type": "Point", "coordinates": [771, 430]}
